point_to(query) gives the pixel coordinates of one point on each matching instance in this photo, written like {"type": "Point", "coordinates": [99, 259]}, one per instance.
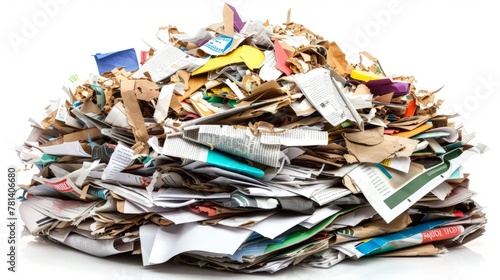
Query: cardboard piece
{"type": "Point", "coordinates": [135, 117]}
{"type": "Point", "coordinates": [373, 146]}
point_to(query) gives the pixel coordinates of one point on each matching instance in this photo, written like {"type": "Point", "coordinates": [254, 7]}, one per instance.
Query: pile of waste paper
{"type": "Point", "coordinates": [248, 147]}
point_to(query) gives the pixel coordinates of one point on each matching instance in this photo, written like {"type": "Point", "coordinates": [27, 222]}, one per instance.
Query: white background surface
{"type": "Point", "coordinates": [451, 43]}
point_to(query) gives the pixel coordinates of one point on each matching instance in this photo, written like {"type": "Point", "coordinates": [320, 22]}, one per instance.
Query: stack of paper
{"type": "Point", "coordinates": [249, 147]}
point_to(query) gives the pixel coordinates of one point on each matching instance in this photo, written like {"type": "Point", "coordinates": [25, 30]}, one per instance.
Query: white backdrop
{"type": "Point", "coordinates": [450, 43]}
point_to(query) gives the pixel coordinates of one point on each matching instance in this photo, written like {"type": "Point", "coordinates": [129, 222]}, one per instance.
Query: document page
{"type": "Point", "coordinates": [321, 91]}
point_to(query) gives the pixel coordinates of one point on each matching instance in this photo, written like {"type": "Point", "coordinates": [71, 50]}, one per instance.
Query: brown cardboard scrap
{"type": "Point", "coordinates": [373, 146]}
{"type": "Point", "coordinates": [267, 90]}
{"type": "Point", "coordinates": [194, 84]}
{"type": "Point", "coordinates": [307, 58]}
{"type": "Point", "coordinates": [409, 123]}
{"type": "Point", "coordinates": [90, 107]}
{"type": "Point", "coordinates": [228, 20]}
{"type": "Point", "coordinates": [146, 90]}
{"type": "Point", "coordinates": [336, 60]}
{"type": "Point", "coordinates": [371, 229]}
{"type": "Point", "coordinates": [134, 116]}
{"type": "Point", "coordinates": [425, 250]}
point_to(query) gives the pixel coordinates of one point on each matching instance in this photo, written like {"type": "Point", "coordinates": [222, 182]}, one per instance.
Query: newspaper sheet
{"type": "Point", "coordinates": [264, 148]}
{"type": "Point", "coordinates": [166, 62]}
{"type": "Point", "coordinates": [324, 93]}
